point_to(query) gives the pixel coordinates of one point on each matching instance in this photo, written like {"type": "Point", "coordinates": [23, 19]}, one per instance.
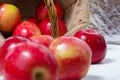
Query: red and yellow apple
{"type": "Point", "coordinates": [73, 57]}
{"type": "Point", "coordinates": [10, 17]}
{"type": "Point", "coordinates": [96, 42]}
{"type": "Point", "coordinates": [30, 61]}
{"type": "Point", "coordinates": [26, 29]}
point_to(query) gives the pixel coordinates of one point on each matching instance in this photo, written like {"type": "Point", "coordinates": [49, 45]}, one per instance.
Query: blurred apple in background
{"type": "Point", "coordinates": [7, 45]}
{"type": "Point", "coordinates": [10, 16]}
{"type": "Point", "coordinates": [31, 19]}
{"type": "Point", "coordinates": [96, 42]}
{"type": "Point", "coordinates": [45, 27]}
{"type": "Point", "coordinates": [73, 57]}
{"type": "Point", "coordinates": [42, 39]}
{"type": "Point", "coordinates": [30, 61]}
{"type": "Point", "coordinates": [26, 29]}
{"type": "Point", "coordinates": [42, 12]}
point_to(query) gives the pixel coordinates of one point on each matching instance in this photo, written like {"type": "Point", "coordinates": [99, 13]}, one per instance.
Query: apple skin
{"type": "Point", "coordinates": [42, 11]}
{"type": "Point", "coordinates": [96, 42]}
{"type": "Point", "coordinates": [10, 16]}
{"type": "Point", "coordinates": [7, 45]}
{"type": "Point", "coordinates": [42, 39]}
{"type": "Point", "coordinates": [73, 57]}
{"type": "Point", "coordinates": [30, 61]}
{"type": "Point", "coordinates": [45, 27]}
{"type": "Point", "coordinates": [26, 29]}
{"type": "Point", "coordinates": [31, 19]}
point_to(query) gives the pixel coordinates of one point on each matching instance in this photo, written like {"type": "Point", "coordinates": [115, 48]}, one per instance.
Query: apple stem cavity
{"type": "Point", "coordinates": [53, 17]}
{"type": "Point", "coordinates": [39, 76]}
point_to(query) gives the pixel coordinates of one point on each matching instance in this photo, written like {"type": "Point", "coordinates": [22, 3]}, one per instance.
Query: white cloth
{"type": "Point", "coordinates": [109, 68]}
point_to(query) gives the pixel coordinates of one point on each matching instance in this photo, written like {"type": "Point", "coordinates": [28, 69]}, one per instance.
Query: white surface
{"type": "Point", "coordinates": [109, 68]}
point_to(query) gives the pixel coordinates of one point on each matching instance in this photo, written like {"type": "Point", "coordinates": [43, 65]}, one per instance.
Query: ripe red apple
{"type": "Point", "coordinates": [30, 61]}
{"type": "Point", "coordinates": [73, 57]}
{"type": "Point", "coordinates": [96, 42]}
{"type": "Point", "coordinates": [7, 45]}
{"type": "Point", "coordinates": [10, 16]}
{"type": "Point", "coordinates": [45, 27]}
{"type": "Point", "coordinates": [31, 19]}
{"type": "Point", "coordinates": [26, 29]}
{"type": "Point", "coordinates": [42, 39]}
{"type": "Point", "coordinates": [42, 11]}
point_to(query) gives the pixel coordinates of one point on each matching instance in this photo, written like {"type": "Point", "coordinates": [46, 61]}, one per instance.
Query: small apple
{"type": "Point", "coordinates": [73, 57]}
{"type": "Point", "coordinates": [45, 27]}
{"type": "Point", "coordinates": [10, 16]}
{"type": "Point", "coordinates": [31, 19]}
{"type": "Point", "coordinates": [7, 45]}
{"type": "Point", "coordinates": [26, 29]}
{"type": "Point", "coordinates": [42, 39]}
{"type": "Point", "coordinates": [30, 61]}
{"type": "Point", "coordinates": [42, 11]}
{"type": "Point", "coordinates": [96, 42]}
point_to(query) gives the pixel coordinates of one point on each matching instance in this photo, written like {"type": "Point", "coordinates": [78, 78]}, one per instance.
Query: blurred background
{"type": "Point", "coordinates": [105, 17]}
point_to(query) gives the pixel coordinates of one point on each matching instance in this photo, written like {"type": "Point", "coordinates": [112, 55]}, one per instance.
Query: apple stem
{"type": "Point", "coordinates": [39, 76]}
{"type": "Point", "coordinates": [53, 17]}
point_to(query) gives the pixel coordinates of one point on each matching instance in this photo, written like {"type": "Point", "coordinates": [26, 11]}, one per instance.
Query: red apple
{"type": "Point", "coordinates": [10, 16]}
{"type": "Point", "coordinates": [7, 45]}
{"type": "Point", "coordinates": [42, 39]}
{"type": "Point", "coordinates": [45, 27]}
{"type": "Point", "coordinates": [31, 19]}
{"type": "Point", "coordinates": [96, 42]}
{"type": "Point", "coordinates": [73, 57]}
{"type": "Point", "coordinates": [26, 29]}
{"type": "Point", "coordinates": [30, 61]}
{"type": "Point", "coordinates": [42, 11]}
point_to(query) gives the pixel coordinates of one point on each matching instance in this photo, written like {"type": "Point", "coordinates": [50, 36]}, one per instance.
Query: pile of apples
{"type": "Point", "coordinates": [12, 21]}
{"type": "Point", "coordinates": [31, 53]}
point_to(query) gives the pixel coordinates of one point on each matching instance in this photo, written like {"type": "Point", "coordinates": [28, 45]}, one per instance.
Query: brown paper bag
{"type": "Point", "coordinates": [76, 14]}
{"type": "Point", "coordinates": [1, 38]}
